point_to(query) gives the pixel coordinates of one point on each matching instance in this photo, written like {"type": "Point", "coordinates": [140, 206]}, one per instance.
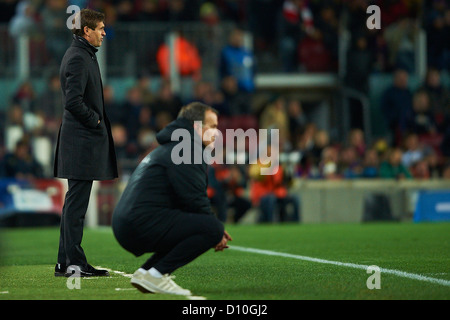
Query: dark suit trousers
{"type": "Point", "coordinates": [72, 223]}
{"type": "Point", "coordinates": [192, 235]}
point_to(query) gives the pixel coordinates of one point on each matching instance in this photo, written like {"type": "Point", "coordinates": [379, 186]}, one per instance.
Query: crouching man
{"type": "Point", "coordinates": [165, 209]}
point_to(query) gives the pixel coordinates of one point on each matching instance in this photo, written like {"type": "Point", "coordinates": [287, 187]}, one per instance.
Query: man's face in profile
{"type": "Point", "coordinates": [95, 36]}
{"type": "Point", "coordinates": [209, 128]}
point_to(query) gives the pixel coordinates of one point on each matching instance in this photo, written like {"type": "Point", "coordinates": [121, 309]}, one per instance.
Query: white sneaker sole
{"type": "Point", "coordinates": [148, 287]}
{"type": "Point", "coordinates": [141, 286]}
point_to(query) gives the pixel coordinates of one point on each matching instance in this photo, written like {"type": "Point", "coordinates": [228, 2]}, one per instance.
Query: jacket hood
{"type": "Point", "coordinates": [165, 135]}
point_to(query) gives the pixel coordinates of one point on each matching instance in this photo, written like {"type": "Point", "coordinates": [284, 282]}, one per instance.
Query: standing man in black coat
{"type": "Point", "coordinates": [165, 208]}
{"type": "Point", "coordinates": [85, 149]}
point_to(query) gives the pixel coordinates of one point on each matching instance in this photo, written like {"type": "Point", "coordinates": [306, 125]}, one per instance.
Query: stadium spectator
{"type": "Point", "coordinates": [166, 100]}
{"type": "Point", "coordinates": [435, 163]}
{"type": "Point", "coordinates": [162, 119]}
{"type": "Point", "coordinates": [21, 164]}
{"type": "Point", "coordinates": [420, 170]}
{"type": "Point", "coordinates": [201, 89]}
{"type": "Point", "coordinates": [49, 105]}
{"type": "Point", "coordinates": [349, 165]}
{"type": "Point", "coordinates": [297, 120]}
{"type": "Point", "coordinates": [357, 17]}
{"type": "Point", "coordinates": [146, 142]}
{"type": "Point", "coordinates": [392, 168]}
{"type": "Point", "coordinates": [116, 111]}
{"type": "Point", "coordinates": [274, 116]}
{"type": "Point", "coordinates": [209, 14]}
{"type": "Point", "coordinates": [413, 150]}
{"type": "Point", "coordinates": [446, 172]}
{"type": "Point", "coordinates": [437, 24]}
{"type": "Point", "coordinates": [232, 10]}
{"type": "Point", "coordinates": [216, 194]}
{"type": "Point", "coordinates": [179, 11]}
{"type": "Point", "coordinates": [146, 118]}
{"type": "Point", "coordinates": [270, 193]}
{"type": "Point", "coordinates": [357, 141]}
{"type": "Point", "coordinates": [126, 153]}
{"type": "Point", "coordinates": [439, 96]}
{"type": "Point", "coordinates": [381, 145]}
{"type": "Point", "coordinates": [360, 63]}
{"type": "Point", "coordinates": [250, 14]}
{"type": "Point", "coordinates": [26, 96]}
{"type": "Point", "coordinates": [306, 141]}
{"type": "Point", "coordinates": [328, 165]}
{"type": "Point", "coordinates": [236, 102]}
{"type": "Point", "coordinates": [422, 119]}
{"type": "Point", "coordinates": [149, 11]}
{"type": "Point", "coordinates": [381, 53]}
{"type": "Point", "coordinates": [14, 125]}
{"type": "Point", "coordinates": [400, 39]}
{"type": "Point", "coordinates": [132, 107]}
{"type": "Point", "coordinates": [57, 35]}
{"type": "Point", "coordinates": [320, 142]}
{"type": "Point", "coordinates": [308, 167]}
{"type": "Point", "coordinates": [125, 11]}
{"type": "Point", "coordinates": [310, 163]}
{"type": "Point", "coordinates": [327, 25]}
{"type": "Point", "coordinates": [206, 92]}
{"type": "Point", "coordinates": [143, 84]}
{"type": "Point", "coordinates": [23, 22]}
{"type": "Point", "coordinates": [371, 164]}
{"type": "Point", "coordinates": [294, 23]}
{"type": "Point", "coordinates": [236, 183]}
{"type": "Point", "coordinates": [189, 61]}
{"type": "Point", "coordinates": [238, 61]}
{"type": "Point", "coordinates": [120, 137]}
{"type": "Point", "coordinates": [229, 182]}
{"type": "Point", "coordinates": [396, 105]}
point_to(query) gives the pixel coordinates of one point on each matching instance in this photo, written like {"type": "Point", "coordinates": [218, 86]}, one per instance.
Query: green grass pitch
{"type": "Point", "coordinates": [28, 256]}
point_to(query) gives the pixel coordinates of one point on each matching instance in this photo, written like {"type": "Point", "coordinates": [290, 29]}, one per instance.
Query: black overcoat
{"type": "Point", "coordinates": [85, 148]}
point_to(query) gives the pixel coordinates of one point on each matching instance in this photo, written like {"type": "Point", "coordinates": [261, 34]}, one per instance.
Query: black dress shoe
{"type": "Point", "coordinates": [85, 271]}
{"type": "Point", "coordinates": [60, 270]}
{"type": "Point", "coordinates": [98, 272]}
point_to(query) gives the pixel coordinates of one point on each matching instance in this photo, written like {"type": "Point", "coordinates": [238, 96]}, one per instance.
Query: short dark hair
{"type": "Point", "coordinates": [195, 111]}
{"type": "Point", "coordinates": [88, 18]}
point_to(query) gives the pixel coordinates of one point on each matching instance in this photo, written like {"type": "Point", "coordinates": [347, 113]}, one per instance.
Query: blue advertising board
{"type": "Point", "coordinates": [432, 206]}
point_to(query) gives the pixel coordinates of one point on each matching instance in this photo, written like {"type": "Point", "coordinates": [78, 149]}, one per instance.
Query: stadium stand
{"type": "Point", "coordinates": [319, 54]}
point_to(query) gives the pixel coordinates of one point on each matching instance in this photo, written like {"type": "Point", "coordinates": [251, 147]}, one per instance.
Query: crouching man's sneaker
{"type": "Point", "coordinates": [145, 282]}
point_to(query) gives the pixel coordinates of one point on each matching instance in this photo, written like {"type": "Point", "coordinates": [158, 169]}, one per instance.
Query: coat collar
{"type": "Point", "coordinates": [83, 43]}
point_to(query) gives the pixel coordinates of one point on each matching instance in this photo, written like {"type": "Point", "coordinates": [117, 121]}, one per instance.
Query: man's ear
{"type": "Point", "coordinates": [86, 29]}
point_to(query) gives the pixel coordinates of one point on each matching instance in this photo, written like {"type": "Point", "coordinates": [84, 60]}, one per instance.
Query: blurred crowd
{"type": "Point", "coordinates": [304, 34]}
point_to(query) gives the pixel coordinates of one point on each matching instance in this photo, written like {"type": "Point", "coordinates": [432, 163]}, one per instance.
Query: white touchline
{"type": "Point", "coordinates": [123, 274]}
{"type": "Point", "coordinates": [344, 264]}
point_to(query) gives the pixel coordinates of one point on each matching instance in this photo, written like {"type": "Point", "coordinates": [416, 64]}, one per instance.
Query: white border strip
{"type": "Point", "coordinates": [344, 264]}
